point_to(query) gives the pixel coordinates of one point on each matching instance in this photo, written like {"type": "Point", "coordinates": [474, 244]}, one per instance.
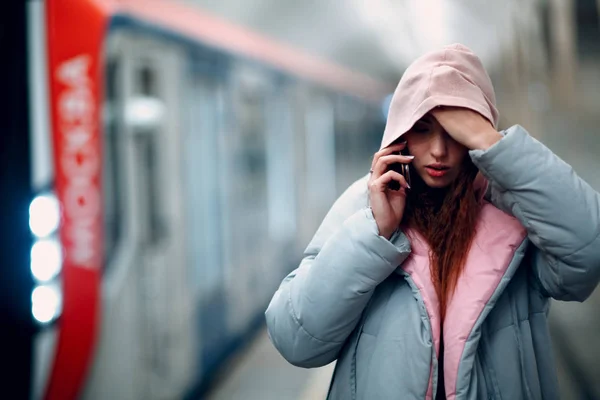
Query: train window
{"type": "Point", "coordinates": [147, 134]}
{"type": "Point", "coordinates": [250, 156]}
{"type": "Point", "coordinates": [252, 160]}
{"type": "Point", "coordinates": [147, 82]}
{"type": "Point", "coordinates": [112, 173]}
{"type": "Point", "coordinates": [146, 145]}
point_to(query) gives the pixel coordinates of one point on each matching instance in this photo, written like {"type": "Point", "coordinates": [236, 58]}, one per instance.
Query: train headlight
{"type": "Point", "coordinates": [46, 303]}
{"type": "Point", "coordinates": [44, 215]}
{"type": "Point", "coordinates": [46, 259]}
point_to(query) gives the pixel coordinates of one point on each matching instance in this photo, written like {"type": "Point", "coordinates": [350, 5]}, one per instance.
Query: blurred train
{"type": "Point", "coordinates": [178, 165]}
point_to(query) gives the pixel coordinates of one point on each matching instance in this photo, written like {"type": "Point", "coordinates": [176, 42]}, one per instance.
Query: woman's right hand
{"type": "Point", "coordinates": [387, 205]}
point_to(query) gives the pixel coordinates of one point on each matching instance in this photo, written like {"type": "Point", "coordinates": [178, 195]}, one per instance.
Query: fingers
{"type": "Point", "coordinates": [380, 184]}
{"type": "Point", "coordinates": [383, 163]}
{"type": "Point", "coordinates": [448, 109]}
{"type": "Point", "coordinates": [462, 115]}
{"type": "Point", "coordinates": [387, 151]}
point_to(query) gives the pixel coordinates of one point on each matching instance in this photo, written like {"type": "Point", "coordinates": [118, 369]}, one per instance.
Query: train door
{"type": "Point", "coordinates": [145, 343]}
{"type": "Point", "coordinates": [156, 193]}
{"type": "Point", "coordinates": [204, 183]}
{"type": "Point", "coordinates": [246, 217]}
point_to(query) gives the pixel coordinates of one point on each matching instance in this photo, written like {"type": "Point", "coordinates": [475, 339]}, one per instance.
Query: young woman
{"type": "Point", "coordinates": [441, 289]}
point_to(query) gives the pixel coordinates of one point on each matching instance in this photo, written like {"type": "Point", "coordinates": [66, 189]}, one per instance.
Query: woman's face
{"type": "Point", "coordinates": [438, 157]}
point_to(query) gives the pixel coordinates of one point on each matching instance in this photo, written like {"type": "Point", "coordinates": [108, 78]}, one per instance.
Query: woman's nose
{"type": "Point", "coordinates": [439, 145]}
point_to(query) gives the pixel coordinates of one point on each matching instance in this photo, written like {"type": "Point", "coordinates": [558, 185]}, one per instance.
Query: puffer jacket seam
{"type": "Point", "coordinates": [582, 247]}
{"type": "Point", "coordinates": [553, 262]}
{"type": "Point", "coordinates": [517, 332]}
{"type": "Point", "coordinates": [359, 333]}
{"type": "Point", "coordinates": [493, 332]}
{"type": "Point", "coordinates": [297, 321]}
{"type": "Point", "coordinates": [488, 369]}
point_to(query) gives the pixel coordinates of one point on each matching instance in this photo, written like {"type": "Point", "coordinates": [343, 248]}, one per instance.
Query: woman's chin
{"type": "Point", "coordinates": [436, 183]}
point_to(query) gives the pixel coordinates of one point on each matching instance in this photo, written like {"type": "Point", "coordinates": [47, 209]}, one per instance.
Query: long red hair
{"type": "Point", "coordinates": [446, 218]}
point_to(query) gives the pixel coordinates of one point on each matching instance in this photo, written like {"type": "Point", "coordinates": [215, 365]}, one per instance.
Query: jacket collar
{"type": "Point", "coordinates": [497, 239]}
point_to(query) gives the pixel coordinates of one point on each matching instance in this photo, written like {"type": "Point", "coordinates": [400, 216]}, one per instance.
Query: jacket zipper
{"type": "Point", "coordinates": [423, 310]}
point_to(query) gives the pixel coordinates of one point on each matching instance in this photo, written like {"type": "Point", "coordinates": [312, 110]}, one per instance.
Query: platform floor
{"type": "Point", "coordinates": [260, 373]}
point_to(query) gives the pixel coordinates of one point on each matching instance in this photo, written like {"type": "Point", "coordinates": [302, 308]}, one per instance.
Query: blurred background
{"type": "Point", "coordinates": [165, 163]}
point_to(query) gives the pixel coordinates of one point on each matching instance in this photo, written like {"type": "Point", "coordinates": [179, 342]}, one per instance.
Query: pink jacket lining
{"type": "Point", "coordinates": [496, 241]}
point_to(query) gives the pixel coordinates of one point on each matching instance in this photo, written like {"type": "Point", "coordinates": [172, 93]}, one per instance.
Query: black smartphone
{"type": "Point", "coordinates": [402, 169]}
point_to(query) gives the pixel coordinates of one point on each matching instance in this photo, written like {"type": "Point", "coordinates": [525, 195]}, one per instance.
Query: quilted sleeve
{"type": "Point", "coordinates": [319, 304]}
{"type": "Point", "coordinates": [560, 211]}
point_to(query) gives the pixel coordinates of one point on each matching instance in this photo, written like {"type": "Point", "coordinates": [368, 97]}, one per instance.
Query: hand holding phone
{"type": "Point", "coordinates": [388, 205]}
{"type": "Point", "coordinates": [402, 169]}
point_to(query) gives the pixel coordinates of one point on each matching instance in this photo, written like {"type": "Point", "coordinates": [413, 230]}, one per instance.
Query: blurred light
{"type": "Point", "coordinates": [46, 303]}
{"type": "Point", "coordinates": [144, 112]}
{"type": "Point", "coordinates": [385, 105]}
{"type": "Point", "coordinates": [46, 259]}
{"type": "Point", "coordinates": [431, 27]}
{"type": "Point", "coordinates": [44, 215]}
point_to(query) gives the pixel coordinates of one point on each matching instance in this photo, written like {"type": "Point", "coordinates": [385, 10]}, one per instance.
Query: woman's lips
{"type": "Point", "coordinates": [436, 172]}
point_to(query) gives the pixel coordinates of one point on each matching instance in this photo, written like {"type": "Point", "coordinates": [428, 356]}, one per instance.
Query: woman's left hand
{"type": "Point", "coordinates": [467, 127]}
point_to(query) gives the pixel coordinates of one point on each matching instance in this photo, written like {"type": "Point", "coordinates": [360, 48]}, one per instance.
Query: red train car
{"type": "Point", "coordinates": [175, 165]}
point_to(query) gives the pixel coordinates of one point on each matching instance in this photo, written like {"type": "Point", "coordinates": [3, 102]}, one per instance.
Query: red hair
{"type": "Point", "coordinates": [446, 218]}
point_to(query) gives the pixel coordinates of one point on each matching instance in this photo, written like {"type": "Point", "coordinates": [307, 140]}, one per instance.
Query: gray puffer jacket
{"type": "Point", "coordinates": [366, 302]}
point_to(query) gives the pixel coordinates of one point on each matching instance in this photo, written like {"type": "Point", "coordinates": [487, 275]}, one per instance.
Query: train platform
{"type": "Point", "coordinates": [260, 373]}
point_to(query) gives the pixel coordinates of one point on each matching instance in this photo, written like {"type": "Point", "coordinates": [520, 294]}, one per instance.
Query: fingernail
{"type": "Point", "coordinates": [411, 157]}
{"type": "Point", "coordinates": [408, 186]}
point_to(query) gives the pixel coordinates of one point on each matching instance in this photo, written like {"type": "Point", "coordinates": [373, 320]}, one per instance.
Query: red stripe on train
{"type": "Point", "coordinates": [76, 30]}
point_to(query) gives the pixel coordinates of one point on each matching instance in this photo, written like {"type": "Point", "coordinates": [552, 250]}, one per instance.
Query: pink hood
{"type": "Point", "coordinates": [451, 76]}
